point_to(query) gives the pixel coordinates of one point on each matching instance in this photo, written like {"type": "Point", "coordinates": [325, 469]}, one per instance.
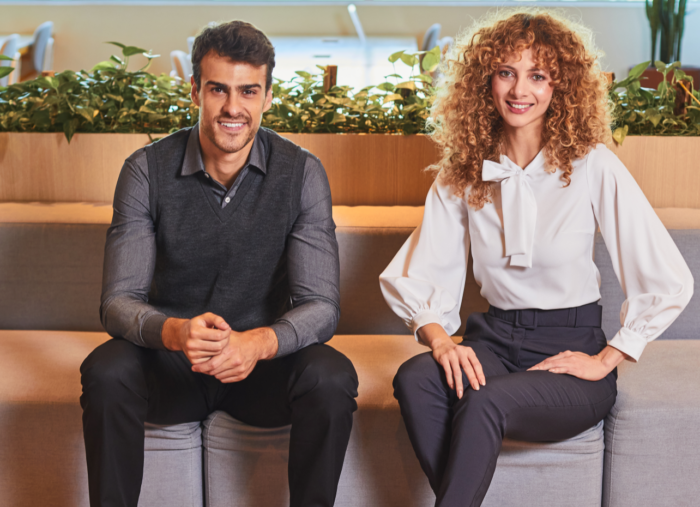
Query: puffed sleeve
{"type": "Point", "coordinates": [652, 272]}
{"type": "Point", "coordinates": [424, 282]}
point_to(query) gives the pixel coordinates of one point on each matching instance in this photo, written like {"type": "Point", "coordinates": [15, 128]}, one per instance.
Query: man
{"type": "Point", "coordinates": [220, 286]}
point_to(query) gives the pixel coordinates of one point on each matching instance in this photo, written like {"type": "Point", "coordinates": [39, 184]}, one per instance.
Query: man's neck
{"type": "Point", "coordinates": [223, 167]}
{"type": "Point", "coordinates": [523, 144]}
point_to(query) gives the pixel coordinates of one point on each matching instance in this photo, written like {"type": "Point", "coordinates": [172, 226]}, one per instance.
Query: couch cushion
{"type": "Point", "coordinates": [687, 326]}
{"type": "Point", "coordinates": [42, 456]}
{"type": "Point", "coordinates": [369, 237]}
{"type": "Point", "coordinates": [652, 446]}
{"type": "Point", "coordinates": [247, 466]}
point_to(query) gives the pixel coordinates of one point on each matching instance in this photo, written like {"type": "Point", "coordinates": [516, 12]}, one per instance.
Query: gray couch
{"type": "Point", "coordinates": [647, 453]}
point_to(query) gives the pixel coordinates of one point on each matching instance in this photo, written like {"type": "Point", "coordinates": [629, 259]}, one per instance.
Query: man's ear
{"type": "Point", "coordinates": [194, 93]}
{"type": "Point", "coordinates": [268, 100]}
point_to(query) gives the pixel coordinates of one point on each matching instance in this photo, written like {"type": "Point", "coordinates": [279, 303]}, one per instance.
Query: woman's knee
{"type": "Point", "coordinates": [419, 373]}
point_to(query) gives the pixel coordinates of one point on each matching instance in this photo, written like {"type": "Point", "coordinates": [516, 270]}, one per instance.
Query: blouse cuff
{"type": "Point", "coordinates": [629, 342]}
{"type": "Point", "coordinates": [423, 318]}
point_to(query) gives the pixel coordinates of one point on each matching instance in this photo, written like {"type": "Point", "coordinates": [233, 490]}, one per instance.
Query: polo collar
{"type": "Point", "coordinates": [194, 162]}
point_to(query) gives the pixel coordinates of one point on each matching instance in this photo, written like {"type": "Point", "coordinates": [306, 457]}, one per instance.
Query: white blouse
{"type": "Point", "coordinates": [533, 248]}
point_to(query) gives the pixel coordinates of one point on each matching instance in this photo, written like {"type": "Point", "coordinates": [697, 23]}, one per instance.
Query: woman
{"type": "Point", "coordinates": [525, 179]}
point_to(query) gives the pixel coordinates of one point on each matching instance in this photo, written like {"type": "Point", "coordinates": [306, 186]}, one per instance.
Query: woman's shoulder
{"type": "Point", "coordinates": [602, 160]}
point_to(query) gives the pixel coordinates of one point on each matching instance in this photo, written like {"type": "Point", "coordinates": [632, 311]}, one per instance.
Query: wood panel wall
{"type": "Point", "coordinates": [362, 169]}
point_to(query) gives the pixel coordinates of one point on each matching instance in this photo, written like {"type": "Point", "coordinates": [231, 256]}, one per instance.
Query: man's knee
{"type": "Point", "coordinates": [111, 369]}
{"type": "Point", "coordinates": [327, 376]}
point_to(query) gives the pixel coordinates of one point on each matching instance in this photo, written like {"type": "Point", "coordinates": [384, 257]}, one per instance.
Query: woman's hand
{"type": "Point", "coordinates": [453, 358]}
{"type": "Point", "coordinates": [582, 365]}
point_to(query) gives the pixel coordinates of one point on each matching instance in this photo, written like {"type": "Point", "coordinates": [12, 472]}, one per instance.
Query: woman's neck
{"type": "Point", "coordinates": [522, 144]}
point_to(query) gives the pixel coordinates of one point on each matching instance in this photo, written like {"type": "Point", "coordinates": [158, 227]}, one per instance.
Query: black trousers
{"type": "Point", "coordinates": [457, 441]}
{"type": "Point", "coordinates": [125, 385]}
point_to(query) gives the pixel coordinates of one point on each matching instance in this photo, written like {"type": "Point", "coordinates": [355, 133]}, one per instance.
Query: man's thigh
{"type": "Point", "coordinates": [265, 398]}
{"type": "Point", "coordinates": [163, 378]}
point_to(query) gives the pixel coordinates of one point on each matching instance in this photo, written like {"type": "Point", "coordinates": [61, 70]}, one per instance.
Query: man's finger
{"type": "Point", "coordinates": [209, 334]}
{"type": "Point", "coordinates": [210, 348]}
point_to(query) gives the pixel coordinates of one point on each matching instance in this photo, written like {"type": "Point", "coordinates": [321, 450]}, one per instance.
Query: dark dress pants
{"type": "Point", "coordinates": [457, 441]}
{"type": "Point", "coordinates": [125, 385]}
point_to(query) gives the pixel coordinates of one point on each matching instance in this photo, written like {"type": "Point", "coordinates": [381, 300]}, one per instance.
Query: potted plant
{"type": "Point", "coordinates": [667, 23]}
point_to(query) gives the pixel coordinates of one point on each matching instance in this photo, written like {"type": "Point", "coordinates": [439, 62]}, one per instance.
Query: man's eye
{"type": "Point", "coordinates": [249, 92]}
{"type": "Point", "coordinates": [217, 90]}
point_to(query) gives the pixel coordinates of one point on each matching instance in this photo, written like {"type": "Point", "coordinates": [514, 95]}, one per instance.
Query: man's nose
{"type": "Point", "coordinates": [232, 106]}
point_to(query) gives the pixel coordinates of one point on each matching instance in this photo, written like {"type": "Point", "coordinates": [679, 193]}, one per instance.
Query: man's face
{"type": "Point", "coordinates": [231, 102]}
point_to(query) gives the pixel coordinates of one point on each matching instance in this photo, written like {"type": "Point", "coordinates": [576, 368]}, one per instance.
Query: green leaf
{"type": "Point", "coordinates": [337, 118]}
{"type": "Point", "coordinates": [395, 56]}
{"type": "Point", "coordinates": [424, 78]}
{"type": "Point", "coordinates": [116, 59]}
{"type": "Point", "coordinates": [409, 60]}
{"type": "Point", "coordinates": [408, 85]}
{"type": "Point", "coordinates": [85, 112]}
{"type": "Point", "coordinates": [132, 50]}
{"type": "Point", "coordinates": [392, 97]}
{"type": "Point", "coordinates": [69, 128]}
{"type": "Point", "coordinates": [5, 71]}
{"type": "Point", "coordinates": [620, 134]}
{"type": "Point", "coordinates": [302, 73]}
{"type": "Point", "coordinates": [660, 66]}
{"type": "Point", "coordinates": [638, 70]}
{"type": "Point", "coordinates": [653, 115]}
{"type": "Point", "coordinates": [386, 87]}
{"type": "Point", "coordinates": [106, 65]}
{"type": "Point", "coordinates": [6, 58]}
{"type": "Point", "coordinates": [431, 60]}
{"type": "Point", "coordinates": [118, 44]}
{"type": "Point", "coordinates": [679, 74]}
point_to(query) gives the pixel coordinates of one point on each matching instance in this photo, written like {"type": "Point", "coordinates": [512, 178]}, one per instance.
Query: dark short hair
{"type": "Point", "coordinates": [238, 40]}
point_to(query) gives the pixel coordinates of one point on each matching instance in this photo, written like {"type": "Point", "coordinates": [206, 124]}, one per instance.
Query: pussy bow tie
{"type": "Point", "coordinates": [519, 209]}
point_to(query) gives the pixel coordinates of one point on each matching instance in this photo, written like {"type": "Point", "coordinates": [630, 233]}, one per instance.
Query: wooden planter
{"type": "Point", "coordinates": [362, 169]}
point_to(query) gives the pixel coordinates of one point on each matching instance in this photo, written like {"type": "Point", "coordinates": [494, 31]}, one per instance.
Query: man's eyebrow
{"type": "Point", "coordinates": [242, 88]}
{"type": "Point", "coordinates": [218, 85]}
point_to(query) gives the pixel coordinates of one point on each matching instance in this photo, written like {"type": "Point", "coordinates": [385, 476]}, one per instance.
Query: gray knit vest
{"type": "Point", "coordinates": [230, 261]}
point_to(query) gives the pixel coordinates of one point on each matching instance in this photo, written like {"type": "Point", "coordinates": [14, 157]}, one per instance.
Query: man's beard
{"type": "Point", "coordinates": [234, 144]}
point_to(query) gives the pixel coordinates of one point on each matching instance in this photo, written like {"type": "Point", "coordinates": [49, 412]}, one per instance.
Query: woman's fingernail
{"type": "Point", "coordinates": [459, 393]}
{"type": "Point", "coordinates": [483, 382]}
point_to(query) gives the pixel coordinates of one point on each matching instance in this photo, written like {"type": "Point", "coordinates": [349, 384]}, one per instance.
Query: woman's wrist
{"type": "Point", "coordinates": [611, 357]}
{"type": "Point", "coordinates": [432, 335]}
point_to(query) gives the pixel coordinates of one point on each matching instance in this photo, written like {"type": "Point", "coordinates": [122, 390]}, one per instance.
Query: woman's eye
{"type": "Point", "coordinates": [504, 73]}
{"type": "Point", "coordinates": [538, 77]}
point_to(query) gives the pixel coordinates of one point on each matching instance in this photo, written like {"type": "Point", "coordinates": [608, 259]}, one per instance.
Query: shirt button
{"type": "Point", "coordinates": [207, 175]}
{"type": "Point", "coordinates": [228, 200]}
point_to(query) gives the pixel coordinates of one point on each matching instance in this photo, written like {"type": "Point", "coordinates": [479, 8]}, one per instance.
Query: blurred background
{"type": "Point", "coordinates": [310, 32]}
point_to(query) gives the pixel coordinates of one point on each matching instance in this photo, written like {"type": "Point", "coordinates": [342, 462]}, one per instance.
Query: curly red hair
{"type": "Point", "coordinates": [464, 120]}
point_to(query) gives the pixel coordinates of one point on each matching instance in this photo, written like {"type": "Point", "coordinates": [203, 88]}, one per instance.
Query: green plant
{"type": "Point", "coordinates": [111, 98]}
{"type": "Point", "coordinates": [5, 71]}
{"type": "Point", "coordinates": [302, 105]}
{"type": "Point", "coordinates": [668, 17]}
{"type": "Point", "coordinates": [108, 99]}
{"type": "Point", "coordinates": [645, 111]}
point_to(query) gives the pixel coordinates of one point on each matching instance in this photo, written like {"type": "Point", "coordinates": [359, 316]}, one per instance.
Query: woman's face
{"type": "Point", "coordinates": [522, 91]}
